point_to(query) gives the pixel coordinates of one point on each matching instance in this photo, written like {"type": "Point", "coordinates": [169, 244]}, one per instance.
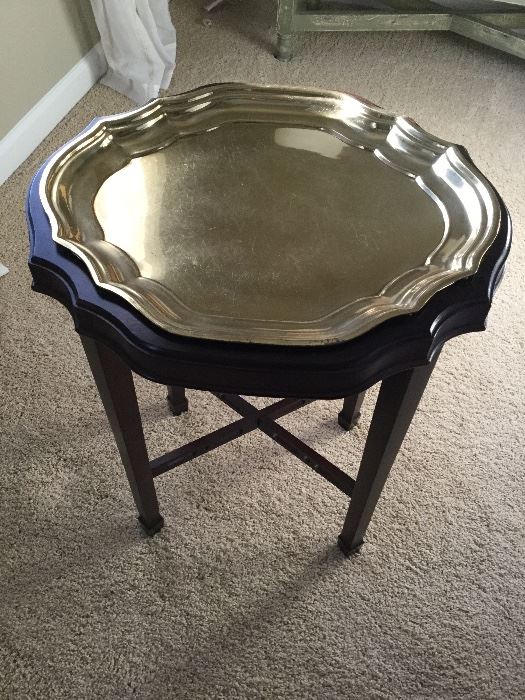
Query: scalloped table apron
{"type": "Point", "coordinates": [266, 241]}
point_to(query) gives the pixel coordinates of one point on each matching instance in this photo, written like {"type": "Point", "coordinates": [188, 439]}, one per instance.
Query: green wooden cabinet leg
{"type": "Point", "coordinates": [285, 30]}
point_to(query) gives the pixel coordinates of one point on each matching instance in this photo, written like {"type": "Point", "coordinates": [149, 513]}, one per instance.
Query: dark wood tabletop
{"type": "Point", "coordinates": [332, 371]}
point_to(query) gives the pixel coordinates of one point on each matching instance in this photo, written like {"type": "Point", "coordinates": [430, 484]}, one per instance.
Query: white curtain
{"type": "Point", "coordinates": [139, 42]}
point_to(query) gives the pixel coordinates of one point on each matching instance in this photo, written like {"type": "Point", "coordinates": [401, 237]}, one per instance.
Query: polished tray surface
{"type": "Point", "coordinates": [269, 214]}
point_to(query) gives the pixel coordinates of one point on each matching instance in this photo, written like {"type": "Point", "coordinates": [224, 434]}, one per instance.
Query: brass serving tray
{"type": "Point", "coordinates": [268, 214]}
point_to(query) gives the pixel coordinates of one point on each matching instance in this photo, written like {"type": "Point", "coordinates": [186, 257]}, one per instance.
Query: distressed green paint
{"type": "Point", "coordinates": [490, 28]}
{"type": "Point", "coordinates": [367, 22]}
{"type": "Point", "coordinates": [489, 34]}
{"type": "Point", "coordinates": [285, 29]}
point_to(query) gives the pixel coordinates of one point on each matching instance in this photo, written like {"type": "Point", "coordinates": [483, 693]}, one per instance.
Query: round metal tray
{"type": "Point", "coordinates": [268, 214]}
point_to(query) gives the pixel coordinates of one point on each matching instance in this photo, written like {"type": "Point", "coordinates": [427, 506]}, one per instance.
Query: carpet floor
{"type": "Point", "coordinates": [244, 594]}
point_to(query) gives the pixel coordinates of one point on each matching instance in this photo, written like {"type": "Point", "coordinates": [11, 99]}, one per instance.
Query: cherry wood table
{"type": "Point", "coordinates": [400, 353]}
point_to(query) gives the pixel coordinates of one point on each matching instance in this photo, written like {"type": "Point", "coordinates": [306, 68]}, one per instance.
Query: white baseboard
{"type": "Point", "coordinates": [34, 126]}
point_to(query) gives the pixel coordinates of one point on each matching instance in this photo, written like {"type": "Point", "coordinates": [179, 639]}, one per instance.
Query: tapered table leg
{"type": "Point", "coordinates": [350, 413]}
{"type": "Point", "coordinates": [396, 404]}
{"type": "Point", "coordinates": [117, 391]}
{"type": "Point", "coordinates": [177, 400]}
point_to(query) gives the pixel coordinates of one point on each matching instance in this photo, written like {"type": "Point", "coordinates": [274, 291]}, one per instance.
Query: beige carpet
{"type": "Point", "coordinates": [244, 594]}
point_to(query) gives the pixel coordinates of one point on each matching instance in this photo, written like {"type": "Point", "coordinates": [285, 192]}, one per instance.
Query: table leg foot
{"type": "Point", "coordinates": [345, 423]}
{"type": "Point", "coordinates": [177, 401]}
{"type": "Point", "coordinates": [284, 51]}
{"type": "Point", "coordinates": [349, 416]}
{"type": "Point", "coordinates": [349, 550]}
{"type": "Point", "coordinates": [151, 528]}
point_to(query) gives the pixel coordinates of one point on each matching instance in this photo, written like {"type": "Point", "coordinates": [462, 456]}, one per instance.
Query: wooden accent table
{"type": "Point", "coordinates": [400, 353]}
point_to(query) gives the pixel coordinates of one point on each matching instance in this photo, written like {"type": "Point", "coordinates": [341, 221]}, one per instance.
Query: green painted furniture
{"type": "Point", "coordinates": [496, 28]}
